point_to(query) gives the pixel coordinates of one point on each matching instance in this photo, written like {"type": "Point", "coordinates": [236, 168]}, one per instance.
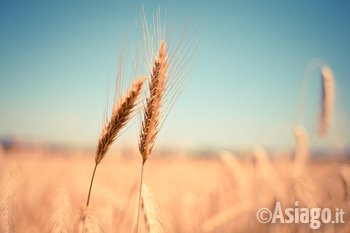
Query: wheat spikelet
{"type": "Point", "coordinates": [8, 198]}
{"type": "Point", "coordinates": [301, 150]}
{"type": "Point", "coordinates": [121, 113]}
{"type": "Point", "coordinates": [327, 99]}
{"type": "Point", "coordinates": [87, 222]}
{"type": "Point", "coordinates": [150, 212]}
{"type": "Point", "coordinates": [60, 221]}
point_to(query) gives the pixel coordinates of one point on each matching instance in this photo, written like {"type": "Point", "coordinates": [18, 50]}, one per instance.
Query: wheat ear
{"type": "Point", "coordinates": [327, 99]}
{"type": "Point", "coordinates": [8, 198]}
{"type": "Point", "coordinates": [301, 150]}
{"type": "Point", "coordinates": [150, 212]}
{"type": "Point", "coordinates": [226, 215]}
{"type": "Point", "coordinates": [263, 163]}
{"type": "Point", "coordinates": [87, 222]}
{"type": "Point", "coordinates": [150, 124]}
{"type": "Point", "coordinates": [236, 171]}
{"type": "Point", "coordinates": [60, 221]}
{"type": "Point", "coordinates": [121, 113]}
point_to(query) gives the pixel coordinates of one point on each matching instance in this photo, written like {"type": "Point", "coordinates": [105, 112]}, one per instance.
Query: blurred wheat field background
{"type": "Point", "coordinates": [239, 148]}
{"type": "Point", "coordinates": [192, 194]}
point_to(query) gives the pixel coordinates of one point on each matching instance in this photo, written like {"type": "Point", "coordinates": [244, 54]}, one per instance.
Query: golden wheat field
{"type": "Point", "coordinates": [187, 194]}
{"type": "Point", "coordinates": [250, 73]}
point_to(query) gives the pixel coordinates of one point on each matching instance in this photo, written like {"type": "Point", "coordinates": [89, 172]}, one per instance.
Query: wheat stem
{"type": "Point", "coordinates": [92, 180]}
{"type": "Point", "coordinates": [139, 202]}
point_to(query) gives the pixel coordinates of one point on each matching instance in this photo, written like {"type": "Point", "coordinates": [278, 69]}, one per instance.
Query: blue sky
{"type": "Point", "coordinates": [57, 59]}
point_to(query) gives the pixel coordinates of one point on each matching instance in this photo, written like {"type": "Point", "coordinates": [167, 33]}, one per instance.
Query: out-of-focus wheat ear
{"type": "Point", "coordinates": [152, 110]}
{"type": "Point", "coordinates": [87, 222]}
{"type": "Point", "coordinates": [263, 163]}
{"type": "Point", "coordinates": [1, 152]}
{"type": "Point", "coordinates": [301, 150]}
{"type": "Point", "coordinates": [121, 113]}
{"type": "Point", "coordinates": [237, 173]}
{"type": "Point", "coordinates": [8, 199]}
{"type": "Point", "coordinates": [61, 214]}
{"type": "Point", "coordinates": [226, 215]}
{"type": "Point", "coordinates": [345, 177]}
{"type": "Point", "coordinates": [150, 212]}
{"type": "Point", "coordinates": [267, 174]}
{"type": "Point", "coordinates": [327, 103]}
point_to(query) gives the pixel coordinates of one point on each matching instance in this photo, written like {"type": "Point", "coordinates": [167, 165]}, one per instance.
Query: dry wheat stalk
{"type": "Point", "coordinates": [8, 198]}
{"type": "Point", "coordinates": [301, 150]}
{"type": "Point", "coordinates": [60, 220]}
{"type": "Point", "coordinates": [327, 99]}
